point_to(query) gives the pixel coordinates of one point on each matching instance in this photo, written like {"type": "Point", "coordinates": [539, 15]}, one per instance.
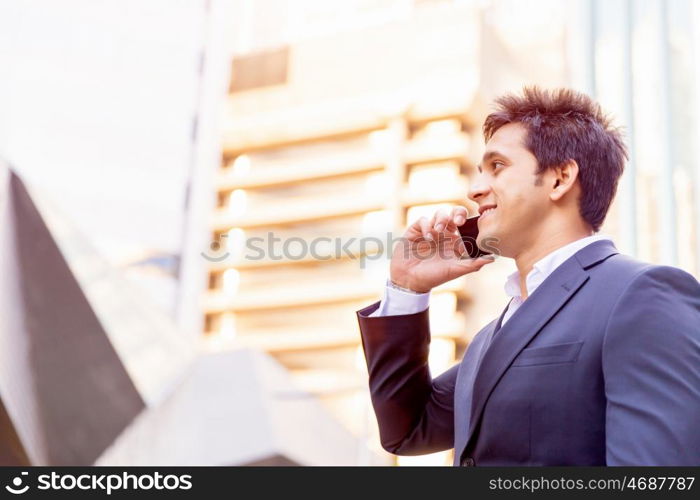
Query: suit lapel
{"type": "Point", "coordinates": [528, 320]}
{"type": "Point", "coordinates": [465, 380]}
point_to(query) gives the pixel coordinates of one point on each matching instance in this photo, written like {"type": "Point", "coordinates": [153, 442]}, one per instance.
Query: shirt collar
{"type": "Point", "coordinates": [546, 266]}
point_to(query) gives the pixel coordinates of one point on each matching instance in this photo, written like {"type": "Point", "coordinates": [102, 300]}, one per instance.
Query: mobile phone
{"type": "Point", "coordinates": [469, 231]}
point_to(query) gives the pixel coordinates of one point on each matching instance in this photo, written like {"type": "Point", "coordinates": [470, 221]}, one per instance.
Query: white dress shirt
{"type": "Point", "coordinates": [397, 302]}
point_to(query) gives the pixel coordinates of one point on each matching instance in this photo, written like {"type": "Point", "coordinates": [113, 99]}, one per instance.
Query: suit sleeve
{"type": "Point", "coordinates": [414, 411]}
{"type": "Point", "coordinates": [651, 366]}
{"type": "Point", "coordinates": [397, 302]}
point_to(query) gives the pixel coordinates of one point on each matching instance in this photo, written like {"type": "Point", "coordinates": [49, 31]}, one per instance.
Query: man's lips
{"type": "Point", "coordinates": [486, 206]}
{"type": "Point", "coordinates": [486, 210]}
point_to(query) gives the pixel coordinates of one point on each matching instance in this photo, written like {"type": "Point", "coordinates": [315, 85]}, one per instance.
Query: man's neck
{"type": "Point", "coordinates": [527, 258]}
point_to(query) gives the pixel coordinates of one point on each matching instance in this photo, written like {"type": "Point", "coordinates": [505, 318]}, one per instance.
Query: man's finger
{"type": "Point", "coordinates": [426, 228]}
{"type": "Point", "coordinates": [441, 221]}
{"type": "Point", "coordinates": [465, 266]}
{"type": "Point", "coordinates": [476, 263]}
{"type": "Point", "coordinates": [457, 217]}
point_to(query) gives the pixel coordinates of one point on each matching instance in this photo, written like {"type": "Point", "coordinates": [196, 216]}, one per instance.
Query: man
{"type": "Point", "coordinates": [596, 358]}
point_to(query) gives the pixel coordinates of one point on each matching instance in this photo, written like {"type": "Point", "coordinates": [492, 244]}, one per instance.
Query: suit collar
{"type": "Point", "coordinates": [528, 320]}
{"type": "Point", "coordinates": [595, 253]}
{"type": "Point", "coordinates": [546, 265]}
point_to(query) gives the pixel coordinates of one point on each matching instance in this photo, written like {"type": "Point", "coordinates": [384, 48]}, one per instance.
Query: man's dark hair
{"type": "Point", "coordinates": [565, 125]}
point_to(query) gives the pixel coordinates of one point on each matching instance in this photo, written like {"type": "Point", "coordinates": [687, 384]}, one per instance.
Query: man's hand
{"type": "Point", "coordinates": [431, 251]}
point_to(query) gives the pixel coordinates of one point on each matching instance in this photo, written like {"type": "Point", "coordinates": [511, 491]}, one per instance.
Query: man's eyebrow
{"type": "Point", "coordinates": [490, 154]}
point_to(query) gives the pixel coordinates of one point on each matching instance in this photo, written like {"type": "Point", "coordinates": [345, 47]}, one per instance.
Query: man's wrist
{"type": "Point", "coordinates": [392, 284]}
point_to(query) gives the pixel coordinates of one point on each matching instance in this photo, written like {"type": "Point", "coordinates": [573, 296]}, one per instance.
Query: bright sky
{"type": "Point", "coordinates": [96, 105]}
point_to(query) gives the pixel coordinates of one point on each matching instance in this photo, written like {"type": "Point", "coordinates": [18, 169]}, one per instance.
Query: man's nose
{"type": "Point", "coordinates": [478, 188]}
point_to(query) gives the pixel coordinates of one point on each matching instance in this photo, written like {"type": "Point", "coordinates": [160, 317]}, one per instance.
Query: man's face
{"type": "Point", "coordinates": [507, 181]}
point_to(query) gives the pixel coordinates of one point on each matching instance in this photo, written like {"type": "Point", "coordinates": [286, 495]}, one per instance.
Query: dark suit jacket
{"type": "Point", "coordinates": [600, 365]}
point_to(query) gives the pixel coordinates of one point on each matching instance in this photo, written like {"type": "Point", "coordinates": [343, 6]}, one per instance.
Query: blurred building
{"type": "Point", "coordinates": [350, 120]}
{"type": "Point", "coordinates": [65, 393]}
{"type": "Point", "coordinates": [93, 373]}
{"type": "Point", "coordinates": [643, 68]}
{"type": "Point", "coordinates": [336, 136]}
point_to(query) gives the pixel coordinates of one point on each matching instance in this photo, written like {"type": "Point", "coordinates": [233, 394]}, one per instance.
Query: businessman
{"type": "Point", "coordinates": [595, 360]}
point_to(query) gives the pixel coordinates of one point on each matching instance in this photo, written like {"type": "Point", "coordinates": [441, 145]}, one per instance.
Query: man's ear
{"type": "Point", "coordinates": [563, 179]}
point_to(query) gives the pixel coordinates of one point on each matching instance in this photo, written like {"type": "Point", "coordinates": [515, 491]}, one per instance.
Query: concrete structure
{"type": "Point", "coordinates": [64, 392]}
{"type": "Point", "coordinates": [89, 370]}
{"type": "Point", "coordinates": [236, 408]}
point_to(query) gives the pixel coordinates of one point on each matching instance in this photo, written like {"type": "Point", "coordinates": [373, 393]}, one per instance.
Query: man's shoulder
{"type": "Point", "coordinates": [655, 302]}
{"type": "Point", "coordinates": [630, 273]}
{"type": "Point", "coordinates": [623, 263]}
{"type": "Point", "coordinates": [621, 266]}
